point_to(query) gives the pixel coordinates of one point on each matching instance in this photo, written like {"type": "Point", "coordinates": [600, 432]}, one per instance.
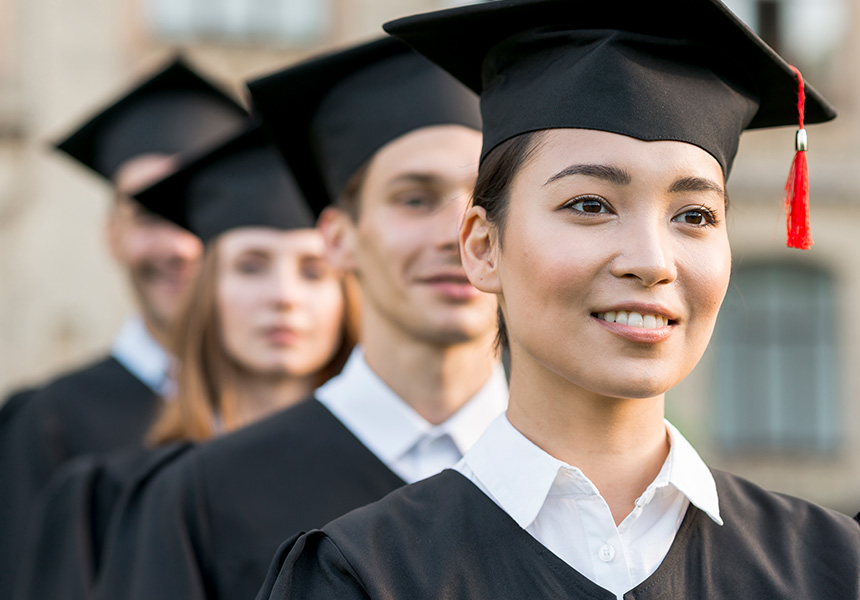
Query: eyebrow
{"type": "Point", "coordinates": [697, 184]}
{"type": "Point", "coordinates": [619, 176]}
{"type": "Point", "coordinates": [421, 178]}
{"type": "Point", "coordinates": [608, 173]}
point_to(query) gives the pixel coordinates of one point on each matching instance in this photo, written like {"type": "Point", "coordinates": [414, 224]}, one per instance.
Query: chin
{"type": "Point", "coordinates": [635, 391]}
{"type": "Point", "coordinates": [621, 380]}
{"type": "Point", "coordinates": [632, 386]}
{"type": "Point", "coordinates": [451, 335]}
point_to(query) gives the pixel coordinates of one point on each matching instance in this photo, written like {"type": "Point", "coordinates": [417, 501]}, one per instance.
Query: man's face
{"type": "Point", "coordinates": [161, 259]}
{"type": "Point", "coordinates": [403, 246]}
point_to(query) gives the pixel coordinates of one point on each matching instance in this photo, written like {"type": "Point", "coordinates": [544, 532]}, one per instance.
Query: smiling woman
{"type": "Point", "coordinates": [599, 224]}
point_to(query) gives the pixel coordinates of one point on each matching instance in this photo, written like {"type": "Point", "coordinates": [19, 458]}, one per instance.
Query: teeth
{"type": "Point", "coordinates": [634, 319]}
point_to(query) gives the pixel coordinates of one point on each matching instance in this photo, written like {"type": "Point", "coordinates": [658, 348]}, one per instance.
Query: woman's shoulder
{"type": "Point", "coordinates": [780, 517]}
{"type": "Point", "coordinates": [430, 539]}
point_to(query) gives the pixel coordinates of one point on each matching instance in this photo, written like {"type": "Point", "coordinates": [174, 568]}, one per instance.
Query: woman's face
{"type": "Point", "coordinates": [280, 304]}
{"type": "Point", "coordinates": [614, 261]}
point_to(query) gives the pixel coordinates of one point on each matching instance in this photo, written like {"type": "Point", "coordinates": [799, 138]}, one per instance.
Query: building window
{"type": "Point", "coordinates": [243, 21]}
{"type": "Point", "coordinates": [806, 32]}
{"type": "Point", "coordinates": [775, 376]}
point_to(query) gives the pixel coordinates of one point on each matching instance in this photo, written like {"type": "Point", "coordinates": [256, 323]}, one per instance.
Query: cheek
{"type": "Point", "coordinates": [235, 307]}
{"type": "Point", "coordinates": [328, 304]}
{"type": "Point", "coordinates": [387, 244]}
{"type": "Point", "coordinates": [541, 269]}
{"type": "Point", "coordinates": [707, 274]}
{"type": "Point", "coordinates": [136, 245]}
{"type": "Point", "coordinates": [327, 311]}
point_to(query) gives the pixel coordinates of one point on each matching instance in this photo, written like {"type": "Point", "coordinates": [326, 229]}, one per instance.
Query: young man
{"type": "Point", "coordinates": [109, 404]}
{"type": "Point", "coordinates": [397, 142]}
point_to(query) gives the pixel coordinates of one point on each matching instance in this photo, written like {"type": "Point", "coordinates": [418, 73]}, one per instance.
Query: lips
{"type": "Point", "coordinates": [281, 336]}
{"type": "Point", "coordinates": [449, 283]}
{"type": "Point", "coordinates": [448, 277]}
{"type": "Point", "coordinates": [634, 319]}
{"type": "Point", "coordinates": [640, 323]}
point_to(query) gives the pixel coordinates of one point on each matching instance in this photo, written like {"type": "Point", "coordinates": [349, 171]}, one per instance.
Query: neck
{"type": "Point", "coordinates": [434, 379]}
{"type": "Point", "coordinates": [620, 444]}
{"type": "Point", "coordinates": [259, 396]}
{"type": "Point", "coordinates": [159, 333]}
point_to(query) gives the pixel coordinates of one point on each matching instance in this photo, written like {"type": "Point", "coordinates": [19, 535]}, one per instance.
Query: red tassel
{"type": "Point", "coordinates": [797, 186]}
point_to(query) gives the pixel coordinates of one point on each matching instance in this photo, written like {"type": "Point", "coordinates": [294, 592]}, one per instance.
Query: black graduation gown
{"type": "Point", "coordinates": [443, 538]}
{"type": "Point", "coordinates": [12, 404]}
{"type": "Point", "coordinates": [208, 525]}
{"type": "Point", "coordinates": [99, 408]}
{"type": "Point", "coordinates": [69, 526]}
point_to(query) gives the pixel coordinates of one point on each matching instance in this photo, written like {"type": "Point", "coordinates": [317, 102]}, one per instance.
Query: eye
{"type": "Point", "coordinates": [417, 199]}
{"type": "Point", "coordinates": [699, 217]}
{"type": "Point", "coordinates": [251, 266]}
{"type": "Point", "coordinates": [592, 205]}
{"type": "Point", "coordinates": [314, 270]}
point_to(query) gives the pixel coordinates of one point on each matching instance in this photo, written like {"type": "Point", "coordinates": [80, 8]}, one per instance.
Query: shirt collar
{"type": "Point", "coordinates": [388, 426]}
{"type": "Point", "coordinates": [136, 350]}
{"type": "Point", "coordinates": [520, 476]}
{"type": "Point", "coordinates": [689, 474]}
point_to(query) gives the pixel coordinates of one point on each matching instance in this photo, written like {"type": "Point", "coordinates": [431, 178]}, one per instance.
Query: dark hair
{"type": "Point", "coordinates": [492, 191]}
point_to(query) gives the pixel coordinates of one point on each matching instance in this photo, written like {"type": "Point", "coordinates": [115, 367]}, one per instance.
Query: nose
{"type": "Point", "coordinates": [285, 288]}
{"type": "Point", "coordinates": [645, 255]}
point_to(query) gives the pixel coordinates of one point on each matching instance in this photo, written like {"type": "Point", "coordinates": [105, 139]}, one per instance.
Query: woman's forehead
{"type": "Point", "coordinates": [582, 151]}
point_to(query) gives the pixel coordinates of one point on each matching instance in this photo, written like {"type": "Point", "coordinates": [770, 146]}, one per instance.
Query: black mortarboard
{"type": "Point", "coordinates": [329, 115]}
{"type": "Point", "coordinates": [242, 183]}
{"type": "Point", "coordinates": [685, 70]}
{"type": "Point", "coordinates": [175, 111]}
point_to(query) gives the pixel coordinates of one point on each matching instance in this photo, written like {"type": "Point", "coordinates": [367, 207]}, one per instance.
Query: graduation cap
{"type": "Point", "coordinates": [685, 70]}
{"type": "Point", "coordinates": [331, 114]}
{"type": "Point", "coordinates": [241, 183]}
{"type": "Point", "coordinates": [174, 111]}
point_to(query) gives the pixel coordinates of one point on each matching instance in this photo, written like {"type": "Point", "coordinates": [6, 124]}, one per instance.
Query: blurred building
{"type": "Point", "coordinates": [777, 397]}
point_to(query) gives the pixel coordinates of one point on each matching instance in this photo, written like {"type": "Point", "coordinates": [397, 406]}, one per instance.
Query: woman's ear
{"type": "Point", "coordinates": [338, 231]}
{"type": "Point", "coordinates": [479, 251]}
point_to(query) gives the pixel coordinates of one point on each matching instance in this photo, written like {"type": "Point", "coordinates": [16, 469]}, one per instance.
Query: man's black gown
{"type": "Point", "coordinates": [208, 525]}
{"type": "Point", "coordinates": [64, 548]}
{"type": "Point", "coordinates": [443, 538]}
{"type": "Point", "coordinates": [99, 408]}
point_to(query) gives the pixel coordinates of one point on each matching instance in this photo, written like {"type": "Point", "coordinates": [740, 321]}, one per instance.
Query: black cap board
{"type": "Point", "coordinates": [331, 114]}
{"type": "Point", "coordinates": [242, 183]}
{"type": "Point", "coordinates": [685, 70]}
{"type": "Point", "coordinates": [174, 111]}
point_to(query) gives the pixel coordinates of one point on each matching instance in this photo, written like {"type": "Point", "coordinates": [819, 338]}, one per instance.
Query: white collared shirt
{"type": "Point", "coordinates": [136, 350]}
{"type": "Point", "coordinates": [561, 508]}
{"type": "Point", "coordinates": [401, 438]}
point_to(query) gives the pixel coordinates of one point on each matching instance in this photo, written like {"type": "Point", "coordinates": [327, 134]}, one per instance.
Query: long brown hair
{"type": "Point", "coordinates": [206, 382]}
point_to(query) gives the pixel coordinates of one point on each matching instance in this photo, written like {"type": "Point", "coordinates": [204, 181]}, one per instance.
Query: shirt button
{"type": "Point", "coordinates": [606, 553]}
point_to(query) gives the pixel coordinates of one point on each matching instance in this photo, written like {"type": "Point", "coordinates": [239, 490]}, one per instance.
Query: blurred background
{"type": "Point", "coordinates": [777, 396]}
